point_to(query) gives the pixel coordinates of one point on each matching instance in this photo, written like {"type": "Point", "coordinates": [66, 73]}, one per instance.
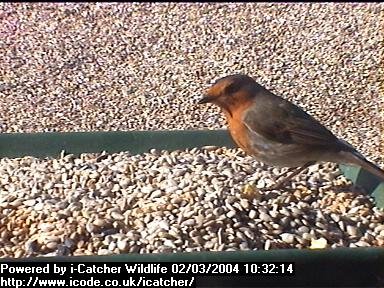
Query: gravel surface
{"type": "Point", "coordinates": [106, 66]}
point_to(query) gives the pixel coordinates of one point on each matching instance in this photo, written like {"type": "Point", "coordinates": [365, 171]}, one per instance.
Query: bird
{"type": "Point", "coordinates": [277, 132]}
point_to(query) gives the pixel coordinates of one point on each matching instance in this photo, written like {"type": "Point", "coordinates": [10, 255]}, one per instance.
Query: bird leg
{"type": "Point", "coordinates": [290, 169]}
{"type": "Point", "coordinates": [296, 171]}
{"type": "Point", "coordinates": [251, 192]}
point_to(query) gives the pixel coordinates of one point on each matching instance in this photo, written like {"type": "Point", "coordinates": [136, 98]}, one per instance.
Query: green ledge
{"type": "Point", "coordinates": [52, 143]}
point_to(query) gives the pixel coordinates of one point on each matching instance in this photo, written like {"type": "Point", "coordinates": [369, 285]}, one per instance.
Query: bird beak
{"type": "Point", "coordinates": [205, 99]}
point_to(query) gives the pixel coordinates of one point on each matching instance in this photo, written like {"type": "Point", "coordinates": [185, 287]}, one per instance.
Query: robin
{"type": "Point", "coordinates": [277, 132]}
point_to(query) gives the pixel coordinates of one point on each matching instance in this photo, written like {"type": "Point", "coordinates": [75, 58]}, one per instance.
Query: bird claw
{"type": "Point", "coordinates": [275, 186]}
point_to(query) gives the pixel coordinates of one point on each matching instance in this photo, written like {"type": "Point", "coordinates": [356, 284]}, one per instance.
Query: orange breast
{"type": "Point", "coordinates": [238, 130]}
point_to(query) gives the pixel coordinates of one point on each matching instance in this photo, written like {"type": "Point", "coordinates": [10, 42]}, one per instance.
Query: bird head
{"type": "Point", "coordinates": [230, 91]}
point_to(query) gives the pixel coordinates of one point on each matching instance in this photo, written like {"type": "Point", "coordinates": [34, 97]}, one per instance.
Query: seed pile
{"type": "Point", "coordinates": [179, 201]}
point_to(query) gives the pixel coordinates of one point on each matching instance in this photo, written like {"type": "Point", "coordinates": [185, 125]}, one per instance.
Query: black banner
{"type": "Point", "coordinates": [118, 274]}
{"type": "Point", "coordinates": [338, 273]}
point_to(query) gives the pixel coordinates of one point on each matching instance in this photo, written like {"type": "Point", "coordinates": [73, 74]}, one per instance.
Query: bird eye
{"type": "Point", "coordinates": [231, 88]}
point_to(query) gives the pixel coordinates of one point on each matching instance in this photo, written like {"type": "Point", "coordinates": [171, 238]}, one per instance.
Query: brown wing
{"type": "Point", "coordinates": [281, 121]}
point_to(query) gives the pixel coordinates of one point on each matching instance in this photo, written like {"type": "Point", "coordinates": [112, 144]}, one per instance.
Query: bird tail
{"type": "Point", "coordinates": [355, 158]}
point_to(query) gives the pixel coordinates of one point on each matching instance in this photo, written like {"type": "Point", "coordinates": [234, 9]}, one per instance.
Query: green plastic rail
{"type": "Point", "coordinates": [51, 144]}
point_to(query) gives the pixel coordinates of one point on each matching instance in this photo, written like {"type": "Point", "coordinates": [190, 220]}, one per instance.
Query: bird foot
{"type": "Point", "coordinates": [250, 190]}
{"type": "Point", "coordinates": [275, 186]}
